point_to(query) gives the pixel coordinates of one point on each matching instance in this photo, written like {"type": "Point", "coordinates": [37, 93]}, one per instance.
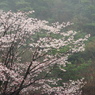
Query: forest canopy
{"type": "Point", "coordinates": [78, 15]}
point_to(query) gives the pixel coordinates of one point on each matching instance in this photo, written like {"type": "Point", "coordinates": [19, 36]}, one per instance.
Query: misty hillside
{"type": "Point", "coordinates": [82, 64]}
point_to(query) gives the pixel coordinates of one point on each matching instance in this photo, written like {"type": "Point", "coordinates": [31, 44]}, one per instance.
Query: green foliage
{"type": "Point", "coordinates": [81, 12]}
{"type": "Point", "coordinates": [73, 71]}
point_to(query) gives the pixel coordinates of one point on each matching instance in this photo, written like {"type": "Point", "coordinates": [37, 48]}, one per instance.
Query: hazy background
{"type": "Point", "coordinates": [82, 14]}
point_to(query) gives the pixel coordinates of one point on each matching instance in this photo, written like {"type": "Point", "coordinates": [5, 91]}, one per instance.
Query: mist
{"type": "Point", "coordinates": [73, 19]}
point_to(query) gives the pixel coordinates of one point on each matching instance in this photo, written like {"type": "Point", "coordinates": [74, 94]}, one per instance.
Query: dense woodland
{"type": "Point", "coordinates": [79, 12]}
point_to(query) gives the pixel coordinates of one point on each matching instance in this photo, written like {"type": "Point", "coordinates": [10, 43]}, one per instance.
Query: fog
{"type": "Point", "coordinates": [77, 15]}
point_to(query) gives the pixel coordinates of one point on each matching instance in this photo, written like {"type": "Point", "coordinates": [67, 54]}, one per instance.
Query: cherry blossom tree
{"type": "Point", "coordinates": [21, 35]}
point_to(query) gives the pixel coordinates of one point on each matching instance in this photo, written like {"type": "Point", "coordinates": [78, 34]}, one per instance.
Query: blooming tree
{"type": "Point", "coordinates": [21, 35]}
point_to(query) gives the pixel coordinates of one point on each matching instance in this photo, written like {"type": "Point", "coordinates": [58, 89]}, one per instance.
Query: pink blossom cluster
{"type": "Point", "coordinates": [20, 35]}
{"type": "Point", "coordinates": [70, 88]}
